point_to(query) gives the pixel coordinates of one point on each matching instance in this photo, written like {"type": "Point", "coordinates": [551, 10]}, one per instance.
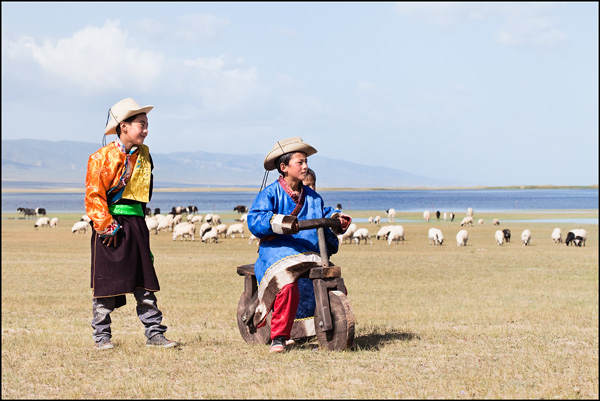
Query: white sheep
{"type": "Point", "coordinates": [233, 229]}
{"type": "Point", "coordinates": [211, 235]}
{"type": "Point", "coordinates": [499, 235]}
{"type": "Point", "coordinates": [383, 232]}
{"type": "Point", "coordinates": [426, 215]}
{"type": "Point", "coordinates": [526, 237]}
{"type": "Point", "coordinates": [189, 217]}
{"type": "Point", "coordinates": [461, 238]}
{"type": "Point", "coordinates": [467, 220]}
{"type": "Point", "coordinates": [184, 230]}
{"type": "Point", "coordinates": [243, 217]}
{"type": "Point", "coordinates": [42, 222]}
{"type": "Point", "coordinates": [204, 228]}
{"type": "Point", "coordinates": [80, 226]}
{"type": "Point", "coordinates": [445, 216]}
{"type": "Point", "coordinates": [496, 222]}
{"type": "Point", "coordinates": [360, 234]}
{"type": "Point", "coordinates": [435, 236]}
{"type": "Point", "coordinates": [85, 218]}
{"type": "Point", "coordinates": [164, 224]}
{"type": "Point", "coordinates": [557, 235]}
{"type": "Point", "coordinates": [480, 221]}
{"type": "Point", "coordinates": [216, 220]}
{"type": "Point", "coordinates": [196, 218]}
{"type": "Point", "coordinates": [370, 220]}
{"type": "Point", "coordinates": [396, 234]}
{"type": "Point", "coordinates": [152, 225]}
{"type": "Point", "coordinates": [221, 229]}
{"type": "Point", "coordinates": [376, 219]}
{"type": "Point", "coordinates": [391, 213]}
{"type": "Point", "coordinates": [470, 212]}
{"type": "Point", "coordinates": [54, 222]}
{"type": "Point", "coordinates": [348, 234]}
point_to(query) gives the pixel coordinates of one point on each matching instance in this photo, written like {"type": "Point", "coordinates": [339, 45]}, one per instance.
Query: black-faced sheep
{"type": "Point", "coordinates": [396, 234]}
{"type": "Point", "coordinates": [557, 236]}
{"type": "Point", "coordinates": [506, 232]}
{"type": "Point", "coordinates": [435, 236]}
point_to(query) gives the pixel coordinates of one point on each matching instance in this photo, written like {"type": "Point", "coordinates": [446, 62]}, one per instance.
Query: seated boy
{"type": "Point", "coordinates": [283, 250]}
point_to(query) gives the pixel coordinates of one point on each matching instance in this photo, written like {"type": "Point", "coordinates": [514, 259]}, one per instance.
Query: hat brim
{"type": "Point", "coordinates": [111, 127]}
{"type": "Point", "coordinates": [275, 153]}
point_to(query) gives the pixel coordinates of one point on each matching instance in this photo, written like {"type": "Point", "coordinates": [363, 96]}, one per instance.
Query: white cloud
{"type": "Point", "coordinates": [94, 59]}
{"type": "Point", "coordinates": [517, 23]}
{"type": "Point", "coordinates": [199, 27]}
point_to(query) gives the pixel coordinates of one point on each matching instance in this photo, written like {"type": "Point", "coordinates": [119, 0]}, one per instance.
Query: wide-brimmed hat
{"type": "Point", "coordinates": [122, 111]}
{"type": "Point", "coordinates": [284, 146]}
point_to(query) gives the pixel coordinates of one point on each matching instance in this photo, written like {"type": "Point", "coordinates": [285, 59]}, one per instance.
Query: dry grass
{"type": "Point", "coordinates": [481, 321]}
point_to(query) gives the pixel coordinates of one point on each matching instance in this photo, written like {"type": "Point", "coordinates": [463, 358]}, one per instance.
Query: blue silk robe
{"type": "Point", "coordinates": [278, 252]}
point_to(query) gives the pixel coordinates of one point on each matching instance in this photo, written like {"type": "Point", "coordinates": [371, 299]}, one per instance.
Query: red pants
{"type": "Point", "coordinates": [284, 311]}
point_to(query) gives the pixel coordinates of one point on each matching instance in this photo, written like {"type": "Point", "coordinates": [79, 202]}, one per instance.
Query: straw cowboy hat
{"type": "Point", "coordinates": [122, 111]}
{"type": "Point", "coordinates": [284, 146]}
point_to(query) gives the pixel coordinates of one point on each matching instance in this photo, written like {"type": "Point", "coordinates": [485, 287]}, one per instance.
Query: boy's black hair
{"type": "Point", "coordinates": [285, 159]}
{"type": "Point", "coordinates": [127, 120]}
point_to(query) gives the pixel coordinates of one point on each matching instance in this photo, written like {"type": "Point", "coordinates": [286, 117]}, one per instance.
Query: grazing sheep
{"type": "Point", "coordinates": [506, 232]}
{"type": "Point", "coordinates": [360, 234]}
{"type": "Point", "coordinates": [370, 220]}
{"type": "Point", "coordinates": [197, 218]}
{"type": "Point", "coordinates": [240, 209]}
{"type": "Point", "coordinates": [396, 234]}
{"type": "Point", "coordinates": [54, 222]}
{"type": "Point", "coordinates": [557, 236]}
{"type": "Point", "coordinates": [445, 216]}
{"type": "Point", "coordinates": [164, 224]}
{"type": "Point", "coordinates": [383, 232]}
{"type": "Point", "coordinates": [243, 217]}
{"type": "Point", "coordinates": [496, 222]}
{"type": "Point", "coordinates": [208, 218]}
{"type": "Point", "coordinates": [348, 234]}
{"type": "Point", "coordinates": [467, 220]}
{"type": "Point", "coordinates": [221, 229]}
{"type": "Point", "coordinates": [391, 213]}
{"type": "Point", "coordinates": [184, 230]}
{"type": "Point", "coordinates": [152, 225]}
{"type": "Point", "coordinates": [40, 211]}
{"type": "Point", "coordinates": [80, 226]}
{"type": "Point", "coordinates": [470, 212]}
{"type": "Point", "coordinates": [216, 220]}
{"type": "Point", "coordinates": [480, 221]}
{"type": "Point", "coordinates": [377, 219]}
{"type": "Point", "coordinates": [204, 228]}
{"type": "Point", "coordinates": [233, 229]}
{"type": "Point", "coordinates": [437, 215]}
{"type": "Point", "coordinates": [499, 235]}
{"type": "Point", "coordinates": [426, 215]}
{"type": "Point", "coordinates": [451, 216]}
{"type": "Point", "coordinates": [435, 236]}
{"type": "Point", "coordinates": [177, 219]}
{"type": "Point", "coordinates": [577, 236]}
{"type": "Point", "coordinates": [526, 237]}
{"type": "Point", "coordinates": [211, 235]}
{"type": "Point", "coordinates": [42, 222]}
{"type": "Point", "coordinates": [461, 238]}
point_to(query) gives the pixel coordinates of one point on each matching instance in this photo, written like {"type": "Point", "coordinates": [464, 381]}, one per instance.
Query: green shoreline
{"type": "Point", "coordinates": [249, 189]}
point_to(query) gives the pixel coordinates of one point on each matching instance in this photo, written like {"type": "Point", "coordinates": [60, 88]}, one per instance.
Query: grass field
{"type": "Point", "coordinates": [481, 321]}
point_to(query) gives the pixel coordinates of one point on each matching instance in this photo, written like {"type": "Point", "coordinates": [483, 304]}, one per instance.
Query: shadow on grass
{"type": "Point", "coordinates": [375, 341]}
{"type": "Point", "coordinates": [368, 342]}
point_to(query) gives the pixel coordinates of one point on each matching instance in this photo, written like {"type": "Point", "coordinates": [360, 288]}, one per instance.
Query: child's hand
{"type": "Point", "coordinates": [345, 220]}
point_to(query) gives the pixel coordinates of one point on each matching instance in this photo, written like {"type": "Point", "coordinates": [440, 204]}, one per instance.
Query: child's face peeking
{"type": "Point", "coordinates": [297, 168]}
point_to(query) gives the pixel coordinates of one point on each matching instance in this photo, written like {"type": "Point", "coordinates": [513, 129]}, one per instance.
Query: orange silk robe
{"type": "Point", "coordinates": [107, 175]}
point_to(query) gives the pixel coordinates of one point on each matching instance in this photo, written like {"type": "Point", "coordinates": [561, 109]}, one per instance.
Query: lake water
{"type": "Point", "coordinates": [457, 201]}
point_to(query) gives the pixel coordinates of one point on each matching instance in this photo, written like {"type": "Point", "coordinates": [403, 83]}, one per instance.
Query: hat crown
{"type": "Point", "coordinates": [121, 111]}
{"type": "Point", "coordinates": [287, 145]}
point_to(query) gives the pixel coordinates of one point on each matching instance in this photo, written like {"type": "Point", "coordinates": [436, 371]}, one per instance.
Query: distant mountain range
{"type": "Point", "coordinates": [29, 163]}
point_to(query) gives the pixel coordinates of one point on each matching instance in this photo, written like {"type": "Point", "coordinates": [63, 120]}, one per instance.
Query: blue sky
{"type": "Point", "coordinates": [493, 93]}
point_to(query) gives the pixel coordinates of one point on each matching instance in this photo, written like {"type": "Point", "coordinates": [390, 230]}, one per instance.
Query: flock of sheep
{"type": "Point", "coordinates": [211, 229]}
{"type": "Point", "coordinates": [395, 233]}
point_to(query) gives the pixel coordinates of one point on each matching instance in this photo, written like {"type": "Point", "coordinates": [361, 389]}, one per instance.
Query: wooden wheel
{"type": "Point", "coordinates": [260, 336]}
{"type": "Point", "coordinates": [341, 336]}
